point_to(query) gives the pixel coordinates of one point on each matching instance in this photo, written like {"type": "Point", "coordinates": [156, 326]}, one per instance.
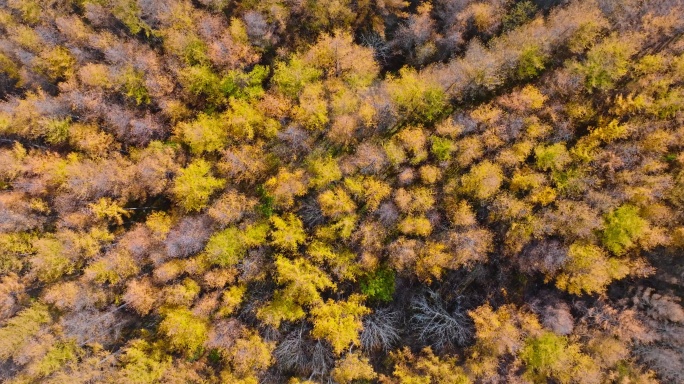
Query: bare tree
{"type": "Point", "coordinates": [304, 355]}
{"type": "Point", "coordinates": [291, 353]}
{"type": "Point", "coordinates": [380, 329]}
{"type": "Point", "coordinates": [436, 325]}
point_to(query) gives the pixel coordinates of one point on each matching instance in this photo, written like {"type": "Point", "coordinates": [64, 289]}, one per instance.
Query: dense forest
{"type": "Point", "coordinates": [341, 191]}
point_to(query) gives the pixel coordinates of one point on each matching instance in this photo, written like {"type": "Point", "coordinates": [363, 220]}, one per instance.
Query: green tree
{"type": "Point", "coordinates": [553, 157]}
{"type": "Point", "coordinates": [291, 78]}
{"type": "Point", "coordinates": [379, 285]}
{"type": "Point", "coordinates": [531, 62]}
{"type": "Point", "coordinates": [623, 227]}
{"type": "Point", "coordinates": [549, 356]}
{"type": "Point", "coordinates": [226, 248]}
{"type": "Point", "coordinates": [607, 62]}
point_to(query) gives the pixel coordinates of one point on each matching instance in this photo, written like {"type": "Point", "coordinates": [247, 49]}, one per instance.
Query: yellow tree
{"type": "Point", "coordinates": [194, 185]}
{"type": "Point", "coordinates": [339, 322]}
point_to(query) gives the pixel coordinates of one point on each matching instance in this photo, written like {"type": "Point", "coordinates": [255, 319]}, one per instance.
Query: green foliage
{"type": "Point", "coordinates": [129, 13]}
{"type": "Point", "coordinates": [57, 130]}
{"type": "Point", "coordinates": [8, 67]}
{"type": "Point", "coordinates": [50, 262]}
{"type": "Point", "coordinates": [543, 354]}
{"type": "Point", "coordinates": [212, 191]}
{"type": "Point", "coordinates": [201, 80]}
{"type": "Point", "coordinates": [379, 285]}
{"type": "Point", "coordinates": [57, 357]}
{"type": "Point", "coordinates": [245, 85]}
{"type": "Point", "coordinates": [550, 356]}
{"type": "Point", "coordinates": [244, 120]}
{"type": "Point", "coordinates": [521, 13]}
{"type": "Point", "coordinates": [531, 63]}
{"type": "Point", "coordinates": [442, 148]}
{"type": "Point", "coordinates": [194, 185]}
{"type": "Point", "coordinates": [312, 111]}
{"type": "Point", "coordinates": [226, 248]}
{"type": "Point", "coordinates": [13, 246]}
{"type": "Point", "coordinates": [292, 77]}
{"type": "Point", "coordinates": [623, 227]}
{"type": "Point", "coordinates": [132, 83]}
{"type": "Point", "coordinates": [553, 157]}
{"type": "Point", "coordinates": [57, 63]}
{"type": "Point", "coordinates": [606, 63]}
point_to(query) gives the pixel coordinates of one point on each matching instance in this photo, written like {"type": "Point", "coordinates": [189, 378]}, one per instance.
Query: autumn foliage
{"type": "Point", "coordinates": [337, 191]}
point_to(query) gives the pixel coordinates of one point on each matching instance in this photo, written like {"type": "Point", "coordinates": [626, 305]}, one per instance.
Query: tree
{"type": "Point", "coordinates": [419, 98]}
{"type": "Point", "coordinates": [324, 170]}
{"type": "Point", "coordinates": [231, 207]}
{"type": "Point", "coordinates": [302, 280]}
{"type": "Point", "coordinates": [498, 333]}
{"type": "Point", "coordinates": [226, 248]}
{"type": "Point", "coordinates": [185, 332]}
{"type": "Point", "coordinates": [353, 367]}
{"type": "Point", "coordinates": [426, 368]}
{"type": "Point", "coordinates": [286, 185]}
{"type": "Point", "coordinates": [291, 78]}
{"type": "Point", "coordinates": [589, 270]}
{"type": "Point", "coordinates": [438, 326]}
{"type": "Point", "coordinates": [607, 62]}
{"type": "Point", "coordinates": [339, 322]}
{"type": "Point", "coordinates": [288, 232]}
{"type": "Point", "coordinates": [194, 185]}
{"type": "Point", "coordinates": [483, 180]}
{"type": "Point", "coordinates": [312, 111]}
{"type": "Point", "coordinates": [142, 363]}
{"type": "Point", "coordinates": [207, 133]}
{"type": "Point", "coordinates": [141, 296]}
{"type": "Point", "coordinates": [549, 356]}
{"type": "Point", "coordinates": [553, 157]}
{"type": "Point", "coordinates": [379, 285]}
{"type": "Point", "coordinates": [20, 329]}
{"type": "Point", "coordinates": [623, 227]}
{"type": "Point", "coordinates": [250, 355]}
{"type": "Point", "coordinates": [336, 203]}
{"type": "Point", "coordinates": [339, 57]}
